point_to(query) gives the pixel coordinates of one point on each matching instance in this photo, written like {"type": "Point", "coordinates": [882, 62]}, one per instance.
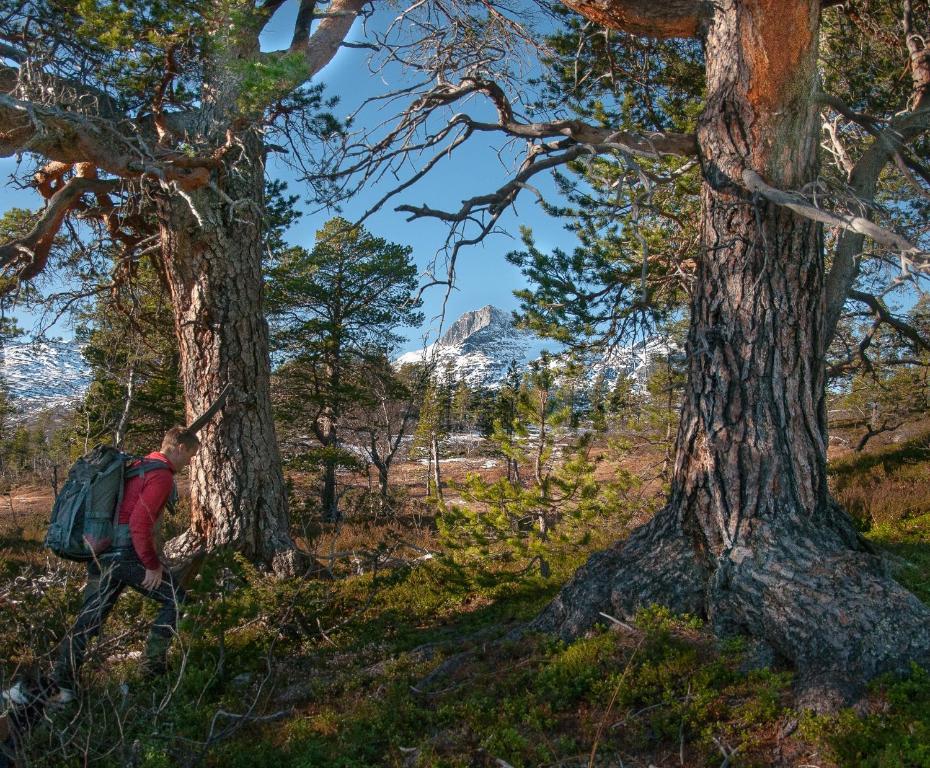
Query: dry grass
{"type": "Point", "coordinates": [890, 483]}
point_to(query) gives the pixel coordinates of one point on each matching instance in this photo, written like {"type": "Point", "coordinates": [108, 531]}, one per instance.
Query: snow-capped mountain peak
{"type": "Point", "coordinates": [478, 348]}
{"type": "Point", "coordinates": [477, 326]}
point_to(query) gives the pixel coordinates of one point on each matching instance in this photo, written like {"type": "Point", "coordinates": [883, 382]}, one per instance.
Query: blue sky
{"type": "Point", "coordinates": [483, 275]}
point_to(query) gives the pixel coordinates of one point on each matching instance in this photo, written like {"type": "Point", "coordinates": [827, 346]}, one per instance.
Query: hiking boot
{"type": "Point", "coordinates": [155, 660]}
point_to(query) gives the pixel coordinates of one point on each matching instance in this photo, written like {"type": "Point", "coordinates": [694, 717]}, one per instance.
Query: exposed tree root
{"type": "Point", "coordinates": [186, 552]}
{"type": "Point", "coordinates": [813, 594]}
{"type": "Point", "coordinates": [657, 564]}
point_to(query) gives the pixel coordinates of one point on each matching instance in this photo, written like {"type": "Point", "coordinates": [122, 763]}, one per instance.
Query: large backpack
{"type": "Point", "coordinates": [84, 518]}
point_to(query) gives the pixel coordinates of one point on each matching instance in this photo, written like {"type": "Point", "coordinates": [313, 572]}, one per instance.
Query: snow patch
{"type": "Point", "coordinates": [44, 374]}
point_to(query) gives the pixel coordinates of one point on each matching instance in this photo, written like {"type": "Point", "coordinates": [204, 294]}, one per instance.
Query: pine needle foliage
{"type": "Point", "coordinates": [512, 525]}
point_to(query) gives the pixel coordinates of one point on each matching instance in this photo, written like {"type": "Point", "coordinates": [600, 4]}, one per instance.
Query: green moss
{"type": "Point", "coordinates": [896, 734]}
{"type": "Point", "coordinates": [907, 542]}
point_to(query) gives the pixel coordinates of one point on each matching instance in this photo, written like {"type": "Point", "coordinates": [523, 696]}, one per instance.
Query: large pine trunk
{"type": "Point", "coordinates": [750, 538]}
{"type": "Point", "coordinates": [212, 247]}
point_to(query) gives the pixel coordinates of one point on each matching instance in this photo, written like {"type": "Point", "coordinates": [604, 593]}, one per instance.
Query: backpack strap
{"type": "Point", "coordinates": [145, 465]}
{"type": "Point", "coordinates": [122, 488]}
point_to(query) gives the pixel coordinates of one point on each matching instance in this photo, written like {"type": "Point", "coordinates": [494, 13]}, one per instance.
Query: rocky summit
{"type": "Point", "coordinates": [480, 346]}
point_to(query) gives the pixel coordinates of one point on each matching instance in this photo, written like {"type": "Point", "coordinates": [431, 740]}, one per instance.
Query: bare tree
{"type": "Point", "coordinates": [384, 418]}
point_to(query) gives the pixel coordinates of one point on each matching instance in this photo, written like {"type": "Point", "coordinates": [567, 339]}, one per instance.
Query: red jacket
{"type": "Point", "coordinates": [144, 497]}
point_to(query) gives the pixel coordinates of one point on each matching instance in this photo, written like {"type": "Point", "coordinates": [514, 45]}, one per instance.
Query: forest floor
{"type": "Point", "coordinates": [406, 658]}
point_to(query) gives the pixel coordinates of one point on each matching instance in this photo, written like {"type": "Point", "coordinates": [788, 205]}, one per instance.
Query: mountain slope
{"type": "Point", "coordinates": [43, 374]}
{"type": "Point", "coordinates": [480, 346]}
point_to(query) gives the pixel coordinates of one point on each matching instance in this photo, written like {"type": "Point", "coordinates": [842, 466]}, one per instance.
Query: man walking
{"type": "Point", "coordinates": [132, 562]}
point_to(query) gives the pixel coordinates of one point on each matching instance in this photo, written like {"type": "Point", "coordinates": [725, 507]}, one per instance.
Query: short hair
{"type": "Point", "coordinates": [178, 436]}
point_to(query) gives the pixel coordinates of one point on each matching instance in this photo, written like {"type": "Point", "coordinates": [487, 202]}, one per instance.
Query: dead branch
{"type": "Point", "coordinates": [910, 254]}
{"type": "Point", "coordinates": [884, 315]}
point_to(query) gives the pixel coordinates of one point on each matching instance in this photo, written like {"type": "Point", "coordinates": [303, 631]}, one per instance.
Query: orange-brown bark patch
{"type": "Point", "coordinates": [778, 38]}
{"type": "Point", "coordinates": [49, 178]}
{"type": "Point", "coordinates": [85, 171]}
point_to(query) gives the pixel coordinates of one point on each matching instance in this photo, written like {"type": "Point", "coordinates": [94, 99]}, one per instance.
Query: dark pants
{"type": "Point", "coordinates": [106, 580]}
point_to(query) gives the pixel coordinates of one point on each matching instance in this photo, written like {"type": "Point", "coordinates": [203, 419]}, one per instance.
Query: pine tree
{"type": "Point", "coordinates": [432, 428]}
{"type": "Point", "coordinates": [598, 404]}
{"type": "Point", "coordinates": [531, 523]}
{"type": "Point", "coordinates": [504, 418]}
{"type": "Point", "coordinates": [129, 343]}
{"type": "Point", "coordinates": [461, 405]}
{"type": "Point", "coordinates": [334, 310]}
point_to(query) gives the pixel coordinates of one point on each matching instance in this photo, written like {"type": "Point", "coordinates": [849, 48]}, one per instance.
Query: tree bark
{"type": "Point", "coordinates": [383, 480]}
{"type": "Point", "coordinates": [211, 248]}
{"type": "Point", "coordinates": [434, 462]}
{"type": "Point", "coordinates": [325, 428]}
{"type": "Point", "coordinates": [750, 538]}
{"type": "Point", "coordinates": [330, 502]}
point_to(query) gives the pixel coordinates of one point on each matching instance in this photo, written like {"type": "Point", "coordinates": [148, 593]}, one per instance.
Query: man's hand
{"type": "Point", "coordinates": [152, 578]}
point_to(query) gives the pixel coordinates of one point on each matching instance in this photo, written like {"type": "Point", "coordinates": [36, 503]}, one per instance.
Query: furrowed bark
{"type": "Point", "coordinates": [750, 538]}
{"type": "Point", "coordinates": [212, 254]}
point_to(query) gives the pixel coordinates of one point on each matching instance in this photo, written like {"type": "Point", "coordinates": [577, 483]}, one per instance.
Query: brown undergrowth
{"type": "Point", "coordinates": [292, 674]}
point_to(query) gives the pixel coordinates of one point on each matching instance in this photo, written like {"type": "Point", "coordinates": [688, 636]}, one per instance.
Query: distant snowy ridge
{"type": "Point", "coordinates": [479, 347]}
{"type": "Point", "coordinates": [44, 374]}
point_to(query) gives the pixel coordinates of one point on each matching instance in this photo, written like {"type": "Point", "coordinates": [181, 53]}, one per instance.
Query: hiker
{"type": "Point", "coordinates": [132, 561]}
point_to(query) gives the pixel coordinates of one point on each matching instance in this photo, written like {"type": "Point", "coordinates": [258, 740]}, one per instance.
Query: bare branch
{"type": "Point", "coordinates": [838, 148]}
{"type": "Point", "coordinates": [884, 315]}
{"type": "Point", "coordinates": [649, 145]}
{"type": "Point", "coordinates": [863, 179]}
{"type": "Point", "coordinates": [80, 96]}
{"type": "Point", "coordinates": [803, 207]}
{"type": "Point", "coordinates": [27, 255]}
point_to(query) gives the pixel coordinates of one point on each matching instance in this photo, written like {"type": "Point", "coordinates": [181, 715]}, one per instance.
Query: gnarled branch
{"type": "Point", "coordinates": [671, 18]}
{"type": "Point", "coordinates": [71, 138]}
{"type": "Point", "coordinates": [26, 256]}
{"type": "Point", "coordinates": [803, 207]}
{"type": "Point", "coordinates": [884, 315]}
